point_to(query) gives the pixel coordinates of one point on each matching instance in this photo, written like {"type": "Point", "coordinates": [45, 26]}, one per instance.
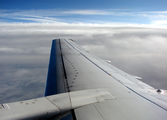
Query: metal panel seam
{"type": "Point", "coordinates": [98, 112]}
{"type": "Point", "coordinates": [146, 98]}
{"type": "Point", "coordinates": [64, 71]}
{"type": "Point", "coordinates": [70, 99]}
{"type": "Point", "coordinates": [54, 104]}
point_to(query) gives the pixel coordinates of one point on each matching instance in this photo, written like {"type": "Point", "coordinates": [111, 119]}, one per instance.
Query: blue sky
{"type": "Point", "coordinates": [84, 11]}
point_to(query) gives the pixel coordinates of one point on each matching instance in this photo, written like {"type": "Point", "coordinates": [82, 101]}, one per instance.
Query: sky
{"type": "Point", "coordinates": [84, 11]}
{"type": "Point", "coordinates": [132, 34]}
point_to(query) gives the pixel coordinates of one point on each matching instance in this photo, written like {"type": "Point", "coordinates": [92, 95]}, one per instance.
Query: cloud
{"type": "Point", "coordinates": [24, 53]}
{"type": "Point", "coordinates": [160, 22]}
{"type": "Point", "coordinates": [87, 12]}
{"type": "Point", "coordinates": [11, 50]}
{"type": "Point", "coordinates": [83, 15]}
{"type": "Point", "coordinates": [21, 72]}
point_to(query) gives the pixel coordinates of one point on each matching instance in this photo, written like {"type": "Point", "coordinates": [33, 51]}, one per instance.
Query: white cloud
{"type": "Point", "coordinates": [21, 72]}
{"type": "Point", "coordinates": [10, 50]}
{"type": "Point", "coordinates": [43, 50]}
{"type": "Point", "coordinates": [55, 16]}
{"type": "Point", "coordinates": [160, 22]}
{"type": "Point", "coordinates": [88, 12]}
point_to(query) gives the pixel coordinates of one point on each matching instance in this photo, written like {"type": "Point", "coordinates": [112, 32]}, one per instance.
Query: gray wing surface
{"type": "Point", "coordinates": [89, 88]}
{"type": "Point", "coordinates": [133, 99]}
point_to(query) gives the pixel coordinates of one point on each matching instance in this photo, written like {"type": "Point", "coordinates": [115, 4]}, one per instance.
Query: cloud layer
{"type": "Point", "coordinates": [25, 50]}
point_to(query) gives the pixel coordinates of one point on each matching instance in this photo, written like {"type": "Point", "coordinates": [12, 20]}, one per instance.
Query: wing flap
{"type": "Point", "coordinates": [46, 107]}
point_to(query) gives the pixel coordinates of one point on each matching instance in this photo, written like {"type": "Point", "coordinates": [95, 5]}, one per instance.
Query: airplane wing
{"type": "Point", "coordinates": [81, 86]}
